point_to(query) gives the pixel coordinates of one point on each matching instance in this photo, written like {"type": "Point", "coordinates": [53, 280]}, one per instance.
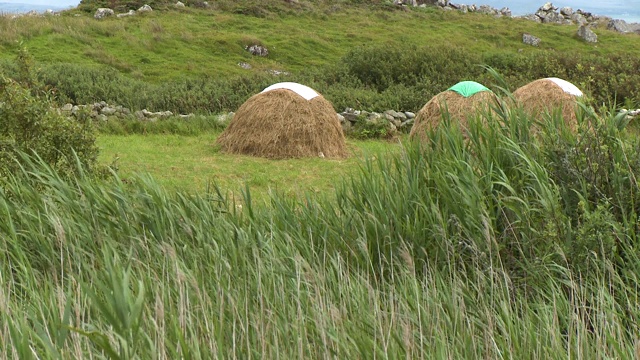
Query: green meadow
{"type": "Point", "coordinates": [150, 243]}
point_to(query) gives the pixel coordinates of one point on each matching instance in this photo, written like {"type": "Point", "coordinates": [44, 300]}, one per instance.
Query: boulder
{"type": "Point", "coordinates": [531, 40]}
{"type": "Point", "coordinates": [67, 107]}
{"type": "Point", "coordinates": [547, 7]}
{"type": "Point", "coordinates": [179, 4]}
{"type": "Point", "coordinates": [257, 50]}
{"type": "Point", "coordinates": [107, 110]}
{"type": "Point", "coordinates": [553, 18]}
{"type": "Point", "coordinates": [587, 34]}
{"type": "Point", "coordinates": [620, 26]}
{"type": "Point", "coordinates": [566, 11]}
{"type": "Point", "coordinates": [486, 9]}
{"type": "Point", "coordinates": [245, 65]}
{"type": "Point", "coordinates": [578, 18]}
{"type": "Point", "coordinates": [505, 11]}
{"type": "Point", "coordinates": [102, 13]}
{"type": "Point", "coordinates": [145, 8]}
{"type": "Point", "coordinates": [532, 17]}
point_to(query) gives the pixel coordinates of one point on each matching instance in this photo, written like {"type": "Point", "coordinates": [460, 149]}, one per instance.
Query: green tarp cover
{"type": "Point", "coordinates": [468, 88]}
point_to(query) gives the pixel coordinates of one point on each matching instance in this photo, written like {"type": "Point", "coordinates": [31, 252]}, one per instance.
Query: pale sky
{"type": "Point", "coordinates": [58, 3]}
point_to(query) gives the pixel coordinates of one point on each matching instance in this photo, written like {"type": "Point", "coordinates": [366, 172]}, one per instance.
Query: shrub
{"type": "Point", "coordinates": [30, 124]}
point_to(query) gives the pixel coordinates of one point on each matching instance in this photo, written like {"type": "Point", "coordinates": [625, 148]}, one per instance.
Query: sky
{"type": "Point", "coordinates": [57, 3]}
{"type": "Point", "coordinates": [621, 9]}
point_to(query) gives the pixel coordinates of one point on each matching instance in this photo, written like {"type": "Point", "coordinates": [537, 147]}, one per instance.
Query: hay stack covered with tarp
{"type": "Point", "coordinates": [460, 101]}
{"type": "Point", "coordinates": [547, 95]}
{"type": "Point", "coordinates": [285, 120]}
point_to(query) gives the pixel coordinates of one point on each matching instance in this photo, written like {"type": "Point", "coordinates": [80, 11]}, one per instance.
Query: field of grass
{"type": "Point", "coordinates": [194, 43]}
{"type": "Point", "coordinates": [499, 244]}
{"type": "Point", "coordinates": [192, 163]}
{"type": "Point", "coordinates": [502, 246]}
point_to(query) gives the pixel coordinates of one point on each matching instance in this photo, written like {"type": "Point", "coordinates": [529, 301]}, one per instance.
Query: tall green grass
{"type": "Point", "coordinates": [457, 248]}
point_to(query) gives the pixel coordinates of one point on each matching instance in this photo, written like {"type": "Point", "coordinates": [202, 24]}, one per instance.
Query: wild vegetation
{"type": "Point", "coordinates": [361, 56]}
{"type": "Point", "coordinates": [499, 243]}
{"type": "Point", "coordinates": [453, 249]}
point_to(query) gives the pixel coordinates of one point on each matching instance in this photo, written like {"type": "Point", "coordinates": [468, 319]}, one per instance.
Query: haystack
{"type": "Point", "coordinates": [461, 102]}
{"type": "Point", "coordinates": [285, 120]}
{"type": "Point", "coordinates": [546, 95]}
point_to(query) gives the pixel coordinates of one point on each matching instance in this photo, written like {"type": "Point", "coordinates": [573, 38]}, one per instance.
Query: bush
{"type": "Point", "coordinates": [30, 124]}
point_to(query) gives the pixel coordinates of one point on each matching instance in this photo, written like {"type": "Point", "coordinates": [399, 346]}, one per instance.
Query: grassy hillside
{"type": "Point", "coordinates": [144, 59]}
{"type": "Point", "coordinates": [492, 244]}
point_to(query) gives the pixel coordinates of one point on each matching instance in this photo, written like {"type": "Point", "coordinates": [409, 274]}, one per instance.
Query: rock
{"type": "Point", "coordinates": [620, 26]}
{"type": "Point", "coordinates": [102, 117]}
{"type": "Point", "coordinates": [244, 65]}
{"type": "Point", "coordinates": [108, 111]}
{"type": "Point", "coordinates": [409, 115]}
{"type": "Point", "coordinates": [346, 126]}
{"type": "Point", "coordinates": [49, 12]}
{"type": "Point", "coordinates": [553, 18]}
{"type": "Point", "coordinates": [145, 8]}
{"type": "Point", "coordinates": [486, 9]}
{"type": "Point", "coordinates": [587, 34]}
{"type": "Point", "coordinates": [257, 50]}
{"type": "Point", "coordinates": [505, 11]}
{"type": "Point", "coordinates": [139, 114]}
{"type": "Point", "coordinates": [130, 13]}
{"type": "Point", "coordinates": [443, 3]}
{"type": "Point", "coordinates": [407, 123]}
{"type": "Point", "coordinates": [67, 107]}
{"type": "Point", "coordinates": [186, 116]}
{"type": "Point", "coordinates": [532, 17]}
{"type": "Point", "coordinates": [277, 72]}
{"type": "Point", "coordinates": [389, 117]}
{"type": "Point", "coordinates": [75, 109]}
{"type": "Point", "coordinates": [102, 13]}
{"type": "Point", "coordinates": [578, 18]}
{"type": "Point", "coordinates": [179, 4]}
{"type": "Point", "coordinates": [341, 118]}
{"type": "Point", "coordinates": [531, 40]}
{"type": "Point", "coordinates": [566, 11]}
{"type": "Point", "coordinates": [547, 7]}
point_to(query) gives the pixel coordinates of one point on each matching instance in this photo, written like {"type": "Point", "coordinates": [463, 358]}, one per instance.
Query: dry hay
{"type": "Point", "coordinates": [545, 96]}
{"type": "Point", "coordinates": [281, 124]}
{"type": "Point", "coordinates": [458, 107]}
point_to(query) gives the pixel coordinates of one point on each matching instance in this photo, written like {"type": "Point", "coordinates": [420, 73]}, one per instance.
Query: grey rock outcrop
{"type": "Point", "coordinates": [530, 40]}
{"type": "Point", "coordinates": [566, 11]}
{"type": "Point", "coordinates": [257, 50]}
{"type": "Point", "coordinates": [393, 121]}
{"type": "Point", "coordinates": [620, 26]}
{"type": "Point", "coordinates": [102, 13]}
{"type": "Point", "coordinates": [586, 34]}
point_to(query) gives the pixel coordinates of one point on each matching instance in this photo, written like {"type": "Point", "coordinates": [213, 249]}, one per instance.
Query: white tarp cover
{"type": "Point", "coordinates": [304, 91]}
{"type": "Point", "coordinates": [568, 87]}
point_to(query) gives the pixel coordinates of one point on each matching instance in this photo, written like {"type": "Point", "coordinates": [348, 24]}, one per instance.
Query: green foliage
{"type": "Point", "coordinates": [440, 240]}
{"type": "Point", "coordinates": [365, 128]}
{"type": "Point", "coordinates": [29, 123]}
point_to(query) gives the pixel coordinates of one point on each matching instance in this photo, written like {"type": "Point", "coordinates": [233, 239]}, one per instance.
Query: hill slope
{"type": "Point", "coordinates": [312, 41]}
